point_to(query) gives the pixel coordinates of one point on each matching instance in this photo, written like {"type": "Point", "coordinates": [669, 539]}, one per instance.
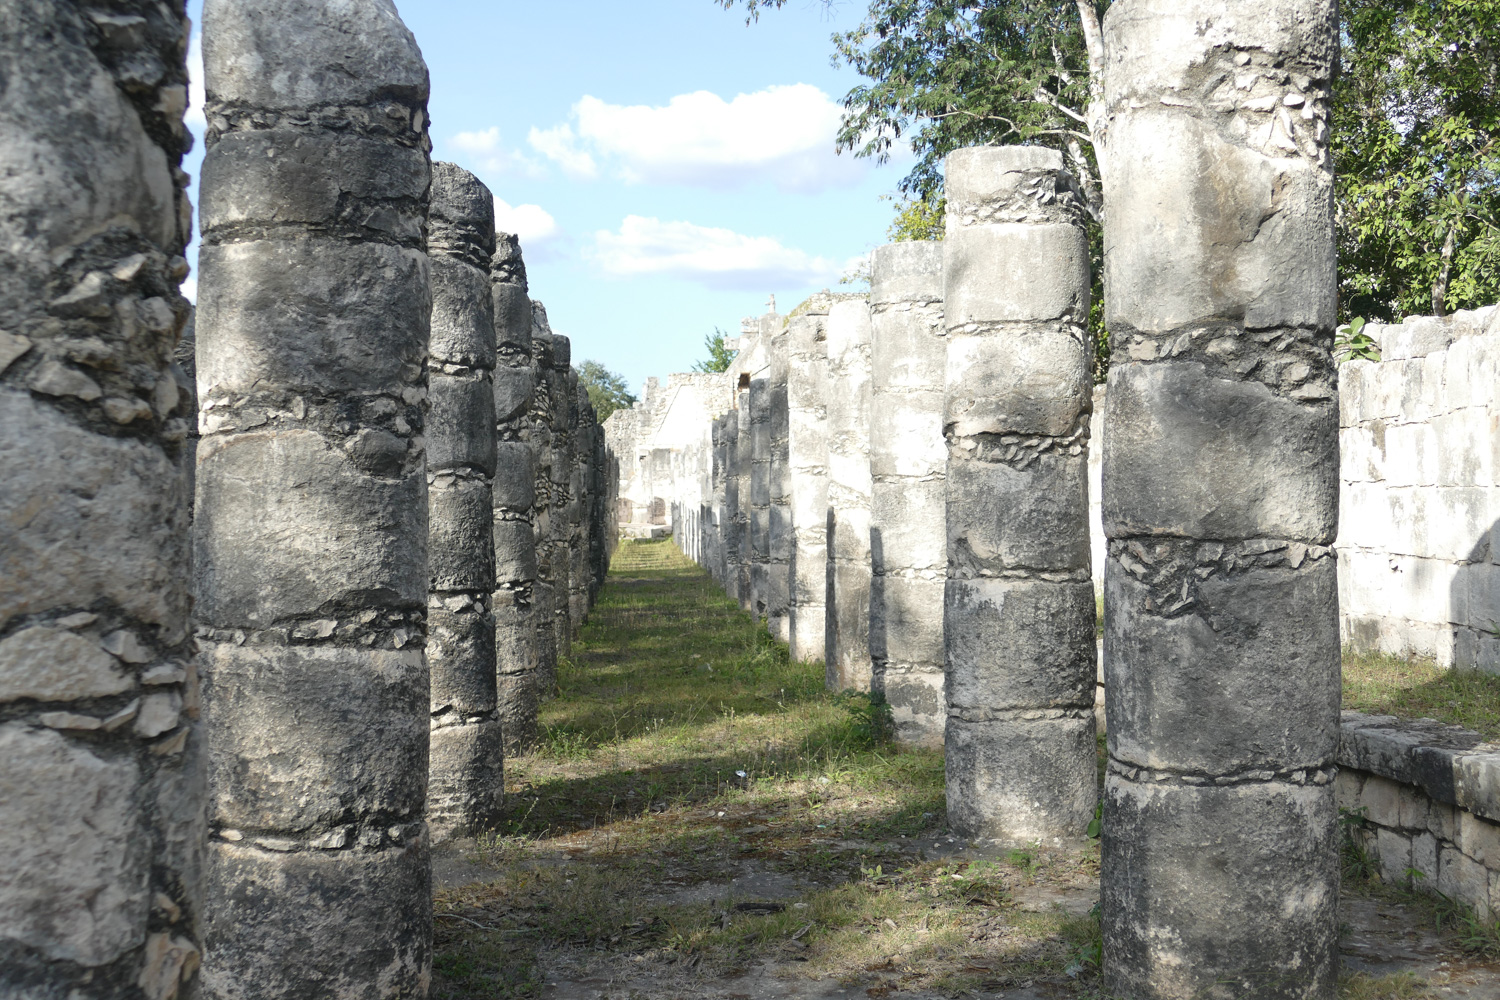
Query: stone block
{"type": "Point", "coordinates": [907, 272]}
{"type": "Point", "coordinates": [1424, 857]}
{"type": "Point", "coordinates": [276, 177]}
{"type": "Point", "coordinates": [75, 871]}
{"type": "Point", "coordinates": [1463, 879]}
{"type": "Point", "coordinates": [1479, 839]}
{"type": "Point", "coordinates": [1196, 870]}
{"type": "Point", "coordinates": [312, 314]}
{"type": "Point", "coordinates": [1198, 457]}
{"type": "Point", "coordinates": [305, 737]}
{"type": "Point", "coordinates": [918, 708]}
{"type": "Point", "coordinates": [1031, 382]}
{"type": "Point", "coordinates": [515, 477]}
{"type": "Point", "coordinates": [1418, 337]}
{"type": "Point", "coordinates": [907, 354]}
{"type": "Point", "coordinates": [289, 524]}
{"type": "Point", "coordinates": [287, 56]}
{"type": "Point", "coordinates": [1347, 787]}
{"type": "Point", "coordinates": [1393, 804]}
{"type": "Point", "coordinates": [1021, 780]}
{"type": "Point", "coordinates": [976, 175]}
{"type": "Point", "coordinates": [1257, 652]}
{"type": "Point", "coordinates": [1001, 517]}
{"type": "Point", "coordinates": [807, 625]}
{"type": "Point", "coordinates": [1015, 272]}
{"type": "Point", "coordinates": [515, 551]}
{"type": "Point", "coordinates": [461, 655]}
{"type": "Point", "coordinates": [906, 621]}
{"type": "Point", "coordinates": [1393, 851]}
{"type": "Point", "coordinates": [1015, 644]}
{"type": "Point", "coordinates": [52, 664]}
{"type": "Point", "coordinates": [307, 904]}
{"type": "Point", "coordinates": [512, 311]}
{"type": "Point", "coordinates": [906, 435]}
{"type": "Point", "coordinates": [461, 423]}
{"type": "Point", "coordinates": [105, 519]}
{"type": "Point", "coordinates": [467, 793]}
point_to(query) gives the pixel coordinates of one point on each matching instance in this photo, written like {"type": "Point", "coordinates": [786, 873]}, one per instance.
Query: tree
{"type": "Point", "coordinates": [1417, 146]}
{"type": "Point", "coordinates": [720, 357]}
{"type": "Point", "coordinates": [606, 389]}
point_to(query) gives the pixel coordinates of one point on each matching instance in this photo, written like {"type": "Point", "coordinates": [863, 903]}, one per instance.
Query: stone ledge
{"type": "Point", "coordinates": [1452, 765]}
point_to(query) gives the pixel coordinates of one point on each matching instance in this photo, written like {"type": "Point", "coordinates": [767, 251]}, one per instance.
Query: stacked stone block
{"type": "Point", "coordinates": [847, 643]}
{"type": "Point", "coordinates": [908, 460]}
{"type": "Point", "coordinates": [779, 537]}
{"type": "Point", "coordinates": [1019, 612]}
{"type": "Point", "coordinates": [1220, 483]}
{"type": "Point", "coordinates": [578, 572]}
{"type": "Point", "coordinates": [518, 682]}
{"type": "Point", "coordinates": [311, 524]}
{"type": "Point", "coordinates": [466, 785]}
{"type": "Point", "coordinates": [560, 396]}
{"type": "Point", "coordinates": [744, 490]}
{"type": "Point", "coordinates": [101, 790]}
{"type": "Point", "coordinates": [807, 470]}
{"type": "Point", "coordinates": [544, 601]}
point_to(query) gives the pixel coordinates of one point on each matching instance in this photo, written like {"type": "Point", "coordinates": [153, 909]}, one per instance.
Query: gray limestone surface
{"type": "Point", "coordinates": [466, 783]}
{"type": "Point", "coordinates": [101, 754]}
{"type": "Point", "coordinates": [807, 469]}
{"type": "Point", "coordinates": [1019, 608]}
{"type": "Point", "coordinates": [847, 623]}
{"type": "Point", "coordinates": [744, 494]}
{"type": "Point", "coordinates": [544, 601]}
{"type": "Point", "coordinates": [310, 531]}
{"type": "Point", "coordinates": [908, 463]}
{"type": "Point", "coordinates": [518, 681]}
{"type": "Point", "coordinates": [1220, 503]}
{"type": "Point", "coordinates": [779, 537]}
{"type": "Point", "coordinates": [560, 524]}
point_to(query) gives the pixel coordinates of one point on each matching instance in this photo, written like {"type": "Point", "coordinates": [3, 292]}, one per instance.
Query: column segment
{"type": "Point", "coordinates": [847, 650]}
{"type": "Point", "coordinates": [544, 602]}
{"type": "Point", "coordinates": [1220, 496]}
{"type": "Point", "coordinates": [1019, 612]}
{"type": "Point", "coordinates": [908, 459]}
{"type": "Point", "coordinates": [311, 527]}
{"type": "Point", "coordinates": [807, 466]}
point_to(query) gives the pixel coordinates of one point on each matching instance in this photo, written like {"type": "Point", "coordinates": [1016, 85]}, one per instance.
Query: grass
{"type": "Point", "coordinates": [1414, 688]}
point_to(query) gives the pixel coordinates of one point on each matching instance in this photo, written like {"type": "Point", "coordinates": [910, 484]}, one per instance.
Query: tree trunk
{"type": "Point", "coordinates": [1440, 286]}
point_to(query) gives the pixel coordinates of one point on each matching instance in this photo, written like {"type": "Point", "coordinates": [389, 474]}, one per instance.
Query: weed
{"type": "Point", "coordinates": [1414, 688]}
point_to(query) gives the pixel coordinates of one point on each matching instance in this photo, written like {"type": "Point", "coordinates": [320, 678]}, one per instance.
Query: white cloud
{"type": "Point", "coordinates": [196, 95]}
{"type": "Point", "coordinates": [717, 258]}
{"type": "Point", "coordinates": [561, 146]}
{"type": "Point", "coordinates": [532, 223]}
{"type": "Point", "coordinates": [190, 288]}
{"type": "Point", "coordinates": [486, 153]}
{"type": "Point", "coordinates": [782, 134]}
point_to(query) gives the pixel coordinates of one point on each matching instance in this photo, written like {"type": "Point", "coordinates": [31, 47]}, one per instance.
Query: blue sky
{"type": "Point", "coordinates": [667, 166]}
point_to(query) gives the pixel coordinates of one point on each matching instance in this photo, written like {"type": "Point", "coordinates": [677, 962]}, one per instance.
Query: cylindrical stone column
{"type": "Point", "coordinates": [744, 490]}
{"type": "Point", "coordinates": [908, 459]}
{"type": "Point", "coordinates": [101, 762]}
{"type": "Point", "coordinates": [779, 537]}
{"type": "Point", "coordinates": [311, 526]}
{"type": "Point", "coordinates": [1220, 496]}
{"type": "Point", "coordinates": [807, 467]}
{"type": "Point", "coordinates": [760, 490]}
{"type": "Point", "coordinates": [847, 646]}
{"type": "Point", "coordinates": [1019, 614]}
{"type": "Point", "coordinates": [578, 572]}
{"type": "Point", "coordinates": [518, 683]}
{"type": "Point", "coordinates": [466, 784]}
{"type": "Point", "coordinates": [561, 398]}
{"type": "Point", "coordinates": [544, 593]}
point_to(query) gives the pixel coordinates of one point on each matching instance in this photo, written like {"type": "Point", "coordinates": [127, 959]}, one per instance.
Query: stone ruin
{"type": "Point", "coordinates": [272, 611]}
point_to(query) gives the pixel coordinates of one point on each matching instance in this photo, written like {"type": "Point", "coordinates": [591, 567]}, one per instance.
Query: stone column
{"type": "Point", "coordinates": [847, 649]}
{"type": "Point", "coordinates": [719, 555]}
{"type": "Point", "coordinates": [578, 576]}
{"type": "Point", "coordinates": [729, 518]}
{"type": "Point", "coordinates": [779, 539]}
{"type": "Point", "coordinates": [1221, 490]}
{"type": "Point", "coordinates": [760, 490]}
{"type": "Point", "coordinates": [311, 526]}
{"type": "Point", "coordinates": [466, 785]}
{"type": "Point", "coordinates": [544, 601]}
{"type": "Point", "coordinates": [744, 465]}
{"type": "Point", "coordinates": [519, 685]}
{"type": "Point", "coordinates": [1019, 614]}
{"type": "Point", "coordinates": [561, 398]}
{"type": "Point", "coordinates": [908, 458]}
{"type": "Point", "coordinates": [101, 787]}
{"type": "Point", "coordinates": [807, 466]}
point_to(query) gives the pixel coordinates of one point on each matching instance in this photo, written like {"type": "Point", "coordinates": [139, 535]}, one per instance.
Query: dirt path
{"type": "Point", "coordinates": [703, 820]}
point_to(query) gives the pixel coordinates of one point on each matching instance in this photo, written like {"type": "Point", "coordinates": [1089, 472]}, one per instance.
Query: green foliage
{"type": "Point", "coordinates": [1352, 343]}
{"type": "Point", "coordinates": [607, 390]}
{"type": "Point", "coordinates": [919, 219]}
{"type": "Point", "coordinates": [720, 357]}
{"type": "Point", "coordinates": [1417, 146]}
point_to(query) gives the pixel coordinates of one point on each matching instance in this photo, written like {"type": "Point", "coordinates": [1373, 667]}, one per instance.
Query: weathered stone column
{"type": "Point", "coordinates": [807, 468]}
{"type": "Point", "coordinates": [466, 785]}
{"type": "Point", "coordinates": [519, 685]}
{"type": "Point", "coordinates": [744, 509]}
{"type": "Point", "coordinates": [1019, 615]}
{"type": "Point", "coordinates": [847, 651]}
{"type": "Point", "coordinates": [101, 775]}
{"type": "Point", "coordinates": [560, 395]}
{"type": "Point", "coordinates": [544, 602]}
{"type": "Point", "coordinates": [722, 447]}
{"type": "Point", "coordinates": [779, 541]}
{"type": "Point", "coordinates": [730, 517]}
{"type": "Point", "coordinates": [311, 525]}
{"type": "Point", "coordinates": [908, 458]}
{"type": "Point", "coordinates": [760, 491]}
{"type": "Point", "coordinates": [578, 572]}
{"type": "Point", "coordinates": [1221, 498]}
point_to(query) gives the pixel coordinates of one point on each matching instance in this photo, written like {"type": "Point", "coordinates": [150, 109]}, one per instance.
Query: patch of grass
{"type": "Point", "coordinates": [1414, 688]}
{"type": "Point", "coordinates": [1400, 986]}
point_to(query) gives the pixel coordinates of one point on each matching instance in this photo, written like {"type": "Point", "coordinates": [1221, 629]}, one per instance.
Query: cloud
{"type": "Point", "coordinates": [196, 95]}
{"type": "Point", "coordinates": [716, 258]}
{"type": "Point", "coordinates": [532, 223]}
{"type": "Point", "coordinates": [561, 146]}
{"type": "Point", "coordinates": [486, 153]}
{"type": "Point", "coordinates": [783, 134]}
